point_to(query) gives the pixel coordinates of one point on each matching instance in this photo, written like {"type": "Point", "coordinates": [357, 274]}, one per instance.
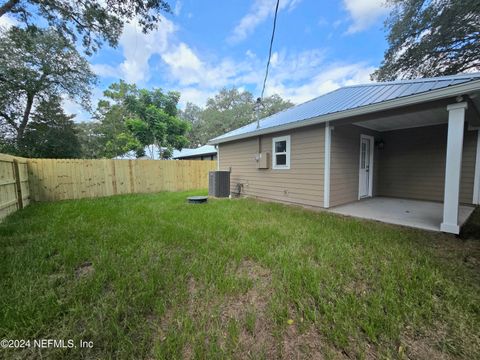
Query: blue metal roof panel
{"type": "Point", "coordinates": [351, 97]}
{"type": "Point", "coordinates": [354, 97]}
{"type": "Point", "coordinates": [366, 96]}
{"type": "Point", "coordinates": [202, 150]}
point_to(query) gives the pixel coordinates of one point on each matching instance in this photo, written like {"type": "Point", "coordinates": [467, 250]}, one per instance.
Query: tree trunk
{"type": "Point", "coordinates": [160, 152]}
{"type": "Point", "coordinates": [8, 6]}
{"type": "Point", "coordinates": [26, 117]}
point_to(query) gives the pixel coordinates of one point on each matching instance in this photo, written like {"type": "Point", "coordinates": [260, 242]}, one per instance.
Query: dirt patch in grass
{"type": "Point", "coordinates": [250, 311]}
{"type": "Point", "coordinates": [306, 344]}
{"type": "Point", "coordinates": [256, 297]}
{"type": "Point", "coordinates": [421, 348]}
{"type": "Point", "coordinates": [193, 289]}
{"type": "Point", "coordinates": [358, 287]}
{"type": "Point", "coordinates": [255, 335]}
{"type": "Point", "coordinates": [84, 270]}
{"type": "Point", "coordinates": [302, 340]}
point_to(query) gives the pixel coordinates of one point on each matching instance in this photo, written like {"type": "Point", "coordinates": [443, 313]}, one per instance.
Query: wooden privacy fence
{"type": "Point", "coordinates": [61, 179]}
{"type": "Point", "coordinates": [22, 180]}
{"type": "Point", "coordinates": [14, 189]}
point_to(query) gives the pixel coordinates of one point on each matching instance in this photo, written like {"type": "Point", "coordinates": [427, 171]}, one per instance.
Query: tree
{"type": "Point", "coordinates": [96, 22]}
{"type": "Point", "coordinates": [112, 114]}
{"type": "Point", "coordinates": [273, 104]}
{"type": "Point", "coordinates": [155, 121]}
{"type": "Point", "coordinates": [91, 139]}
{"type": "Point", "coordinates": [226, 111]}
{"type": "Point", "coordinates": [192, 114]}
{"type": "Point", "coordinates": [37, 67]}
{"type": "Point", "coordinates": [131, 119]}
{"type": "Point", "coordinates": [431, 38]}
{"type": "Point", "coordinates": [51, 133]}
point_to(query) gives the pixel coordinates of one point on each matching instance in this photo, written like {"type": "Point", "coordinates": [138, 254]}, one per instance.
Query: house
{"type": "Point", "coordinates": [405, 152]}
{"type": "Point", "coordinates": [151, 153]}
{"type": "Point", "coordinates": [205, 152]}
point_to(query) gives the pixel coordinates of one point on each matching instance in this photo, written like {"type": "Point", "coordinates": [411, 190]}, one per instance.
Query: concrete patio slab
{"type": "Point", "coordinates": [413, 213]}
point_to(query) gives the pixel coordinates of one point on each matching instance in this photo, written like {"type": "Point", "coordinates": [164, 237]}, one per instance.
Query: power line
{"type": "Point", "coordinates": [270, 51]}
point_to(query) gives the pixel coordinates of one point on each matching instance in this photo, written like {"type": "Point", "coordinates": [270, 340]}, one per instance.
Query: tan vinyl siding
{"type": "Point", "coordinates": [412, 164]}
{"type": "Point", "coordinates": [469, 157]}
{"type": "Point", "coordinates": [301, 184]}
{"type": "Point", "coordinates": [345, 158]}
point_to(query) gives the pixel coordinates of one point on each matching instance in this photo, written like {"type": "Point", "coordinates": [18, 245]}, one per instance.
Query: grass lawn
{"type": "Point", "coordinates": [149, 276]}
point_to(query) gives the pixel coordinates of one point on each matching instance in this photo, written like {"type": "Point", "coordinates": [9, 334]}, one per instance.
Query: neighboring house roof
{"type": "Point", "coordinates": [356, 100]}
{"type": "Point", "coordinates": [151, 153]}
{"type": "Point", "coordinates": [200, 151]}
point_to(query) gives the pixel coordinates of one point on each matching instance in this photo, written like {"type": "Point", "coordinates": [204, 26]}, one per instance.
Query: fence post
{"type": "Point", "coordinates": [132, 178]}
{"type": "Point", "coordinates": [18, 183]}
{"type": "Point", "coordinates": [114, 177]}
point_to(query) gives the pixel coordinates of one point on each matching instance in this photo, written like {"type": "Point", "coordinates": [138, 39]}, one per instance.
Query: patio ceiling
{"type": "Point", "coordinates": [418, 116]}
{"type": "Point", "coordinates": [426, 117]}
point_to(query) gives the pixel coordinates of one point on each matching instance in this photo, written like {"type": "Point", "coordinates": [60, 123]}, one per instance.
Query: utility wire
{"type": "Point", "coordinates": [270, 51]}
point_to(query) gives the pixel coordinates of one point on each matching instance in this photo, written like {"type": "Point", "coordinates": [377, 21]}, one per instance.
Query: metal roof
{"type": "Point", "coordinates": [345, 99]}
{"type": "Point", "coordinates": [152, 153]}
{"type": "Point", "coordinates": [202, 150]}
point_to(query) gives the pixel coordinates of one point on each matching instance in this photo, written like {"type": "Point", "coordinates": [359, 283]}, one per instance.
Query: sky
{"type": "Point", "coordinates": [207, 45]}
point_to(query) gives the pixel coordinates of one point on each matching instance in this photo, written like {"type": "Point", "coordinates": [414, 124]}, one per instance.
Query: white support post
{"type": "Point", "coordinates": [476, 182]}
{"type": "Point", "coordinates": [456, 120]}
{"type": "Point", "coordinates": [326, 170]}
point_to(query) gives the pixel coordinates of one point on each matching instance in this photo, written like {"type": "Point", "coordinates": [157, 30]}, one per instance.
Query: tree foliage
{"type": "Point", "coordinates": [111, 115]}
{"type": "Point", "coordinates": [91, 139]}
{"type": "Point", "coordinates": [130, 119]}
{"type": "Point", "coordinates": [226, 111]}
{"type": "Point", "coordinates": [51, 133]}
{"type": "Point", "coordinates": [155, 120]}
{"type": "Point", "coordinates": [431, 38]}
{"type": "Point", "coordinates": [38, 67]}
{"type": "Point", "coordinates": [193, 115]}
{"type": "Point", "coordinates": [94, 21]}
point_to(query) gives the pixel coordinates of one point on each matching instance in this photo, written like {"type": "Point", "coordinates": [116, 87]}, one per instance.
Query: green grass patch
{"type": "Point", "coordinates": [150, 276]}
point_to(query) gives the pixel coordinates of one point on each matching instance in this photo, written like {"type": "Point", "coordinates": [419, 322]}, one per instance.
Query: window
{"type": "Point", "coordinates": [281, 152]}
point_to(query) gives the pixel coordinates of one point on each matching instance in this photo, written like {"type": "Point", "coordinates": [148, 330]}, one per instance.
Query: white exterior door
{"type": "Point", "coordinates": [366, 166]}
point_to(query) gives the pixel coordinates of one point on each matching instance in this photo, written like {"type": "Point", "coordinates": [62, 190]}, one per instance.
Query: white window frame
{"type": "Point", "coordinates": [287, 153]}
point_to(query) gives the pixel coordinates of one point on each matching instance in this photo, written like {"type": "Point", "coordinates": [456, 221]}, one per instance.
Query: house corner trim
{"type": "Point", "coordinates": [476, 182]}
{"type": "Point", "coordinates": [326, 170]}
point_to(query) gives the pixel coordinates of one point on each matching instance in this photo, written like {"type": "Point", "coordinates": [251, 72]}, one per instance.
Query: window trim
{"type": "Point", "coordinates": [286, 153]}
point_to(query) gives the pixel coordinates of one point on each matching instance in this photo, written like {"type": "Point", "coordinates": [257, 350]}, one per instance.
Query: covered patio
{"type": "Point", "coordinates": [415, 166]}
{"type": "Point", "coordinates": [427, 215]}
